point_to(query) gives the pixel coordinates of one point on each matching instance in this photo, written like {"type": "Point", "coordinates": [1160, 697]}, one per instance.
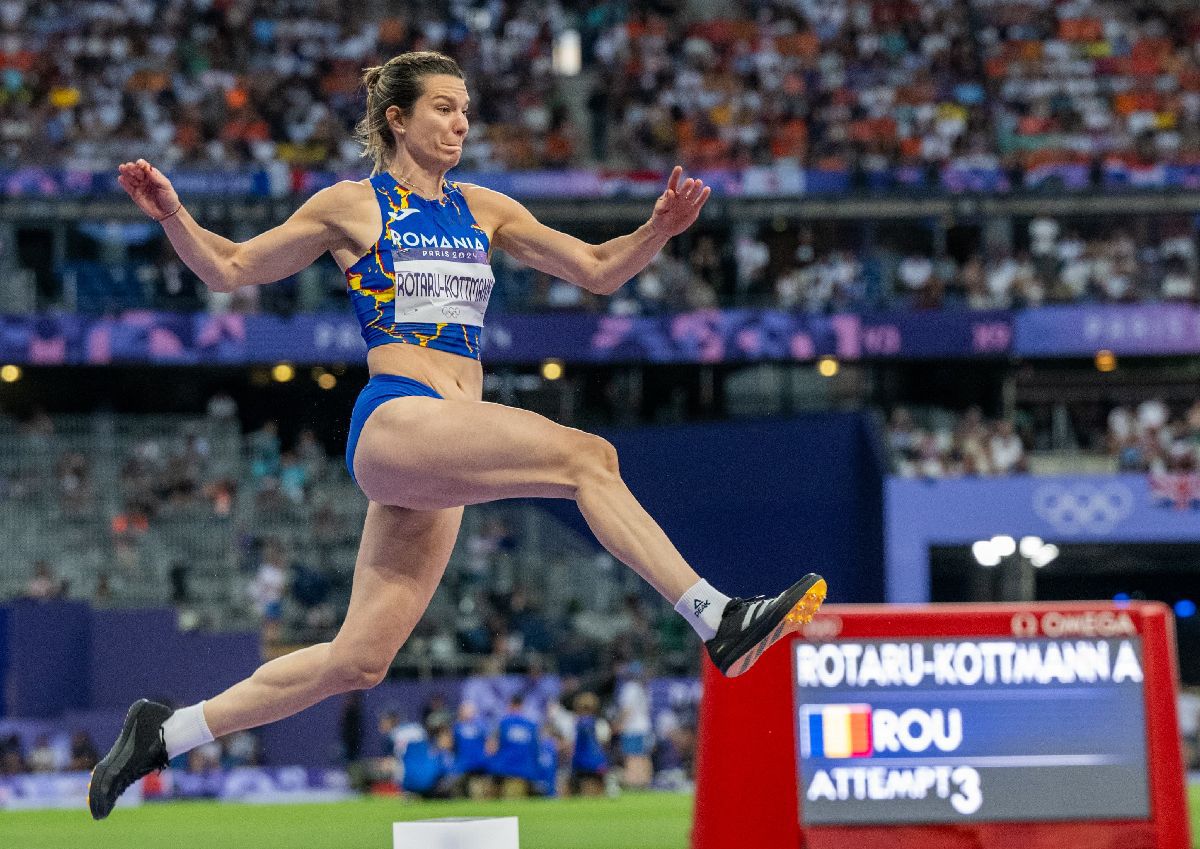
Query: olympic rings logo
{"type": "Point", "coordinates": [1083, 506]}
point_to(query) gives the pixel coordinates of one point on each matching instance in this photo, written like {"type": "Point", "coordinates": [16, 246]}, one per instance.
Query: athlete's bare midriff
{"type": "Point", "coordinates": [452, 375]}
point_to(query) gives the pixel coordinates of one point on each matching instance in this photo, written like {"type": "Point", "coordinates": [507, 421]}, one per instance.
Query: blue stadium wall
{"type": "Point", "coordinates": [753, 505]}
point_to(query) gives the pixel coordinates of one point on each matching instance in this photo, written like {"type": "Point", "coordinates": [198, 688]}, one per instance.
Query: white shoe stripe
{"type": "Point", "coordinates": [751, 614]}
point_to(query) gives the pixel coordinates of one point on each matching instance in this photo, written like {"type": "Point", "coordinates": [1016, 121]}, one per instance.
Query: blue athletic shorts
{"type": "Point", "coordinates": [633, 744]}
{"type": "Point", "coordinates": [380, 388]}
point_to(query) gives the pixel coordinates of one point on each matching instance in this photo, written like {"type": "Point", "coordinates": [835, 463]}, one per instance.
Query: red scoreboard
{"type": "Point", "coordinates": [946, 726]}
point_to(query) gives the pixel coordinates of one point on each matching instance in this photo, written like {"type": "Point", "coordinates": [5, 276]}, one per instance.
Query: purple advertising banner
{"type": "Point", "coordinates": [758, 181]}
{"type": "Point", "coordinates": [1143, 329]}
{"type": "Point", "coordinates": [706, 336]}
{"type": "Point", "coordinates": [53, 790]}
{"type": "Point", "coordinates": [261, 785]}
{"type": "Point", "coordinates": [778, 180]}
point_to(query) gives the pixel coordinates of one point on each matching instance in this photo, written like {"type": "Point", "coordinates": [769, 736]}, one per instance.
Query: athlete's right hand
{"type": "Point", "coordinates": [149, 188]}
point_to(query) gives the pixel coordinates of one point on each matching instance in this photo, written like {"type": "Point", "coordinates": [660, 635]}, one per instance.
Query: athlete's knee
{"type": "Point", "coordinates": [355, 670]}
{"type": "Point", "coordinates": [595, 458]}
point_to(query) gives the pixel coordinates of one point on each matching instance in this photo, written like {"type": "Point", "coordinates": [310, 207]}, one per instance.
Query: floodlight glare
{"type": "Point", "coordinates": [1004, 545]}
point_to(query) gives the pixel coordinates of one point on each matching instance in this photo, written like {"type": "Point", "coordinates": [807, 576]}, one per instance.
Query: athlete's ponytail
{"type": "Point", "coordinates": [395, 83]}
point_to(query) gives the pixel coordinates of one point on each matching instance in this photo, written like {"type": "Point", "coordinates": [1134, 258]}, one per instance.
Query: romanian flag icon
{"type": "Point", "coordinates": [838, 731]}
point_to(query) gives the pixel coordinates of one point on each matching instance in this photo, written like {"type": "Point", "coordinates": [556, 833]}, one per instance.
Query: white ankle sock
{"type": "Point", "coordinates": [702, 607]}
{"type": "Point", "coordinates": [186, 729]}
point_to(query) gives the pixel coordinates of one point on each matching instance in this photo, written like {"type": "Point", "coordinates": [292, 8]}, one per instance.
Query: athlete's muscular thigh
{"type": "Point", "coordinates": [401, 559]}
{"type": "Point", "coordinates": [428, 453]}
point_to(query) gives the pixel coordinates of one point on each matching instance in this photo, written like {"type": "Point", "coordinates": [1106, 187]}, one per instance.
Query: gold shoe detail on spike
{"type": "Point", "coordinates": [801, 614]}
{"type": "Point", "coordinates": [807, 607]}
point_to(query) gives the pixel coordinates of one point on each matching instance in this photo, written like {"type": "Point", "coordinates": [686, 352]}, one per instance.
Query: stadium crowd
{"type": "Point", "coordinates": [939, 444]}
{"type": "Point", "coordinates": [1154, 437]}
{"type": "Point", "coordinates": [866, 87]}
{"type": "Point", "coordinates": [834, 86]}
{"type": "Point", "coordinates": [564, 741]}
{"type": "Point", "coordinates": [552, 736]}
{"type": "Point", "coordinates": [1021, 88]}
{"type": "Point", "coordinates": [260, 528]}
{"type": "Point", "coordinates": [219, 84]}
{"type": "Point", "coordinates": [787, 265]}
{"type": "Point", "coordinates": [1092, 82]}
{"type": "Point", "coordinates": [72, 752]}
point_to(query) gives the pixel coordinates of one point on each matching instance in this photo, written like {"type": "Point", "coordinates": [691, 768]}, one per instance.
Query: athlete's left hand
{"type": "Point", "coordinates": [677, 208]}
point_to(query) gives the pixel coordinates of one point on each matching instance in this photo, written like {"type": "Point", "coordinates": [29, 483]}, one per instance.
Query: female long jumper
{"type": "Point", "coordinates": [415, 250]}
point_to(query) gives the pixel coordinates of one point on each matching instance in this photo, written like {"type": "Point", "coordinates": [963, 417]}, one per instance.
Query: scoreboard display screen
{"type": "Point", "coordinates": [947, 730]}
{"type": "Point", "coordinates": [944, 726]}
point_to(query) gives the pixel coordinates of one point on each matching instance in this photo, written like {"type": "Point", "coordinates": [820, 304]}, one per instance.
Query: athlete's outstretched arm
{"type": "Point", "coordinates": [225, 265]}
{"type": "Point", "coordinates": [603, 268]}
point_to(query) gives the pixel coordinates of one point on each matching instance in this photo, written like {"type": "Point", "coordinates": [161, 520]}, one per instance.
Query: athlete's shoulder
{"type": "Point", "coordinates": [496, 207]}
{"type": "Point", "coordinates": [474, 193]}
{"type": "Point", "coordinates": [343, 201]}
{"type": "Point", "coordinates": [336, 199]}
{"type": "Point", "coordinates": [491, 209]}
{"type": "Point", "coordinates": [345, 191]}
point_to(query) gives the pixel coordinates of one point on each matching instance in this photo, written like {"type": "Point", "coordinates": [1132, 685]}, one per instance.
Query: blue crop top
{"type": "Point", "coordinates": [427, 280]}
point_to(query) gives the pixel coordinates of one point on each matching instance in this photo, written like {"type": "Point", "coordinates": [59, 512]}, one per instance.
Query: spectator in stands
{"type": "Point", "coordinates": [973, 446]}
{"type": "Point", "coordinates": [310, 454]}
{"type": "Point", "coordinates": [102, 595]}
{"type": "Point", "coordinates": [1192, 421]}
{"type": "Point", "coordinates": [972, 284]}
{"type": "Point", "coordinates": [44, 585]}
{"type": "Point", "coordinates": [83, 752]}
{"type": "Point", "coordinates": [1122, 428]}
{"type": "Point", "coordinates": [397, 734]}
{"type": "Point", "coordinates": [1006, 450]}
{"type": "Point", "coordinates": [549, 755]}
{"type": "Point", "coordinates": [436, 714]}
{"type": "Point", "coordinates": [293, 478]}
{"type": "Point", "coordinates": [514, 751]}
{"type": "Point", "coordinates": [633, 703]}
{"type": "Point", "coordinates": [426, 761]}
{"type": "Point", "coordinates": [310, 588]}
{"type": "Point", "coordinates": [240, 749]}
{"type": "Point", "coordinates": [264, 451]}
{"type": "Point", "coordinates": [526, 620]}
{"type": "Point", "coordinates": [42, 757]}
{"type": "Point", "coordinates": [389, 720]}
{"type": "Point", "coordinates": [205, 760]}
{"type": "Point", "coordinates": [267, 590]}
{"type": "Point", "coordinates": [12, 758]}
{"type": "Point", "coordinates": [670, 772]}
{"type": "Point", "coordinates": [589, 763]}
{"type": "Point", "coordinates": [470, 752]}
{"type": "Point", "coordinates": [127, 529]}
{"type": "Point", "coordinates": [221, 407]}
{"type": "Point", "coordinates": [901, 434]}
{"type": "Point", "coordinates": [328, 531]}
{"type": "Point", "coordinates": [75, 487]}
{"type": "Point", "coordinates": [474, 617]}
{"type": "Point", "coordinates": [638, 639]}
{"type": "Point", "coordinates": [1071, 90]}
